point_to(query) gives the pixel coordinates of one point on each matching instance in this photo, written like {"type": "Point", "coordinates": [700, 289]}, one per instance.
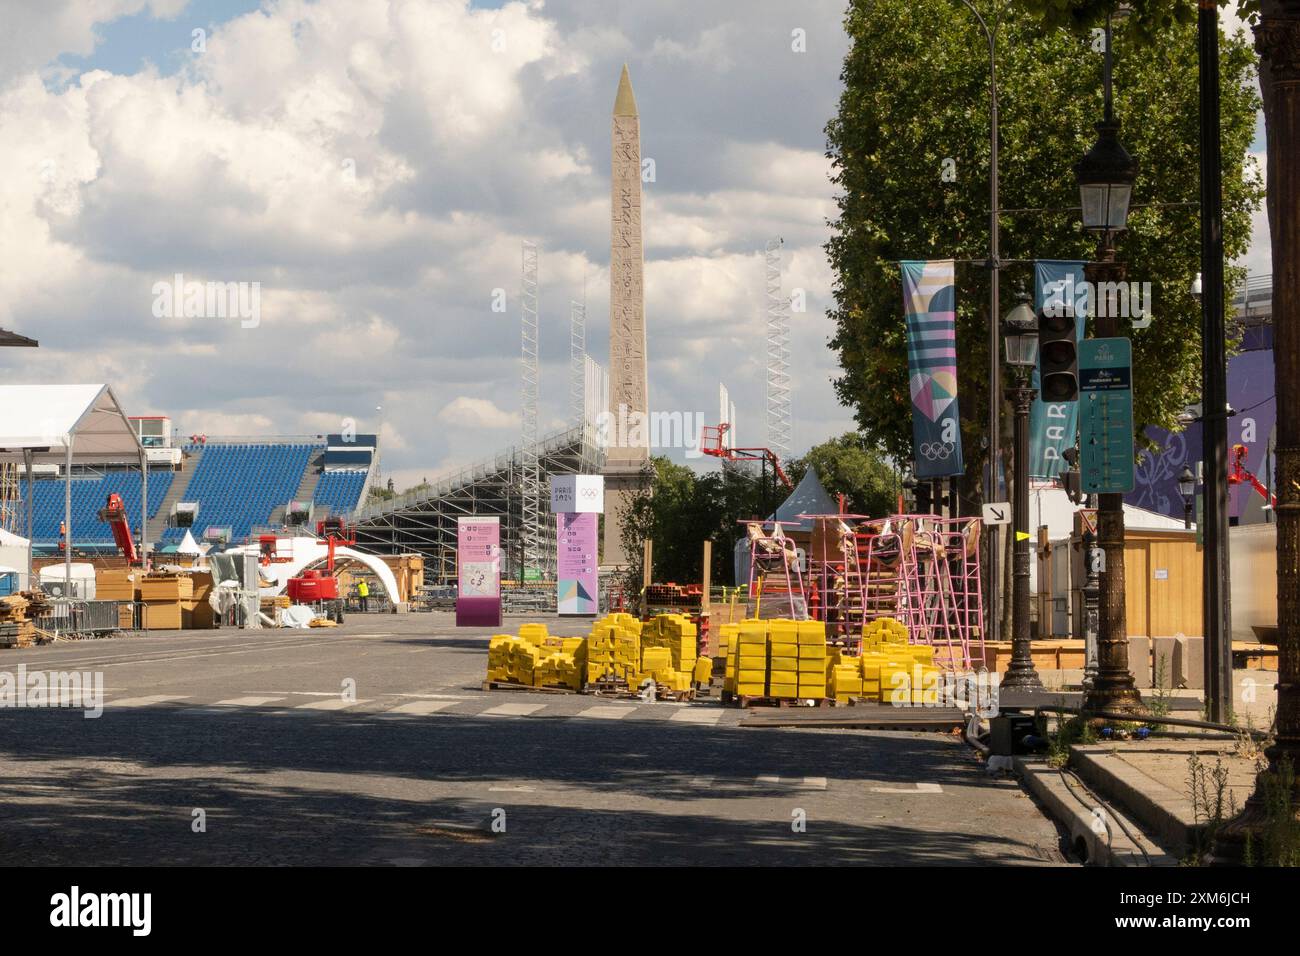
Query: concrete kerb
{"type": "Point", "coordinates": [1164, 813]}
{"type": "Point", "coordinates": [1098, 831]}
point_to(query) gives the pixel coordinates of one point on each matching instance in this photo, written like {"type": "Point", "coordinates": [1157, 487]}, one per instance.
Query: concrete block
{"type": "Point", "coordinates": [1139, 661]}
{"type": "Point", "coordinates": [1189, 662]}
{"type": "Point", "coordinates": [1163, 650]}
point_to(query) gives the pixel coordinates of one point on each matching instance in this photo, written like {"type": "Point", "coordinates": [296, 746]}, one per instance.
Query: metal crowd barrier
{"type": "Point", "coordinates": [73, 618]}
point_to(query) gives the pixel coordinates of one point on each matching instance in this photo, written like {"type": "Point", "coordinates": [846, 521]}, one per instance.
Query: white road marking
{"type": "Point", "coordinates": [920, 788]}
{"type": "Point", "coordinates": [337, 704]}
{"type": "Point", "coordinates": [606, 712]}
{"type": "Point", "coordinates": [798, 783]}
{"type": "Point", "coordinates": [694, 716]}
{"type": "Point", "coordinates": [247, 701]}
{"type": "Point", "coordinates": [146, 701]}
{"type": "Point", "coordinates": [419, 708]}
{"type": "Point", "coordinates": [512, 710]}
{"type": "Point", "coordinates": [511, 790]}
{"type": "Point", "coordinates": [702, 783]}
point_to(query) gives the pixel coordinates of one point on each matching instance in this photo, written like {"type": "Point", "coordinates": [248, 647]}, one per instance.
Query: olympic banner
{"type": "Point", "coordinates": [576, 577]}
{"type": "Point", "coordinates": [930, 301]}
{"type": "Point", "coordinates": [1052, 425]}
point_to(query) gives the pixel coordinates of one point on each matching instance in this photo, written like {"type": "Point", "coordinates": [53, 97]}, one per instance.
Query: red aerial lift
{"type": "Point", "coordinates": [712, 442]}
{"type": "Point", "coordinates": [114, 514]}
{"type": "Point", "coordinates": [1238, 474]}
{"type": "Point", "coordinates": [322, 590]}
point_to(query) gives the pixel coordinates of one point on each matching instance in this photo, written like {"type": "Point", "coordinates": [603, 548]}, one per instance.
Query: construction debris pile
{"type": "Point", "coordinates": [18, 613]}
{"type": "Point", "coordinates": [620, 650]}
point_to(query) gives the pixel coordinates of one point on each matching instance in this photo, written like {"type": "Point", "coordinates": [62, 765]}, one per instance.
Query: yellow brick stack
{"type": "Point", "coordinates": [512, 660]}
{"type": "Point", "coordinates": [751, 659]}
{"type": "Point", "coordinates": [783, 658]}
{"type": "Point", "coordinates": [726, 638]}
{"type": "Point", "coordinates": [894, 671]}
{"type": "Point", "coordinates": [812, 659]}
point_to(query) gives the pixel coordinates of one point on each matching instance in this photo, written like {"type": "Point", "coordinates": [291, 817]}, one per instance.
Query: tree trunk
{"type": "Point", "coordinates": [1277, 39]}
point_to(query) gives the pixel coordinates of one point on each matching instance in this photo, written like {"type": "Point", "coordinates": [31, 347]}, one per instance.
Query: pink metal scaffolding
{"type": "Point", "coordinates": [774, 570]}
{"type": "Point", "coordinates": [925, 571]}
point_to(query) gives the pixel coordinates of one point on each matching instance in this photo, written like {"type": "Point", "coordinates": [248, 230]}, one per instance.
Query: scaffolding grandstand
{"type": "Point", "coordinates": [423, 520]}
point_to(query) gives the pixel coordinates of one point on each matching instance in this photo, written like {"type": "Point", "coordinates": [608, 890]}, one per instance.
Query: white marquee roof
{"type": "Point", "coordinates": [45, 418]}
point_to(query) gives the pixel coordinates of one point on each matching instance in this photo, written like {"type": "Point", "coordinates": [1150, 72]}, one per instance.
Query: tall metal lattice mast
{"type": "Point", "coordinates": [530, 530]}
{"type": "Point", "coordinates": [577, 363]}
{"type": "Point", "coordinates": [778, 354]}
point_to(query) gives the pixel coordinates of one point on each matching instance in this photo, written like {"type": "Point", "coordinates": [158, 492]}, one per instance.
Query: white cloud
{"type": "Point", "coordinates": [466, 412]}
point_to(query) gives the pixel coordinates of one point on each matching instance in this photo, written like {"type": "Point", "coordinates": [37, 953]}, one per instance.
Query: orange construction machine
{"type": "Point", "coordinates": [114, 515]}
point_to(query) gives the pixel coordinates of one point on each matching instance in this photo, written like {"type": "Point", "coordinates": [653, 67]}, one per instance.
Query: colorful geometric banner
{"type": "Point", "coordinates": [1052, 426]}
{"type": "Point", "coordinates": [930, 301]}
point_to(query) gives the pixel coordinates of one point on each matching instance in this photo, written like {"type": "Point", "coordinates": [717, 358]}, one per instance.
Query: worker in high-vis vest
{"type": "Point", "coordinates": [363, 592]}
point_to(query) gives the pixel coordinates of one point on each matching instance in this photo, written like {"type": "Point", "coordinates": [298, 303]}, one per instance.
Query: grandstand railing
{"type": "Point", "coordinates": [484, 468]}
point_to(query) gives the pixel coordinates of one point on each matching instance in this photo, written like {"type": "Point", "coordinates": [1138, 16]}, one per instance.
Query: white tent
{"type": "Point", "coordinates": [188, 545]}
{"type": "Point", "coordinates": [67, 424]}
{"type": "Point", "coordinates": [15, 557]}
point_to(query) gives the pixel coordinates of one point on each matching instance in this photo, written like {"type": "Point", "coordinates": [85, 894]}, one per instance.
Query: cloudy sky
{"type": "Point", "coordinates": [375, 165]}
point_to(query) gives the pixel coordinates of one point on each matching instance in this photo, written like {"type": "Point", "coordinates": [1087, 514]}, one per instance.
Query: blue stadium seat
{"type": "Point", "coordinates": [340, 491]}
{"type": "Point", "coordinates": [88, 496]}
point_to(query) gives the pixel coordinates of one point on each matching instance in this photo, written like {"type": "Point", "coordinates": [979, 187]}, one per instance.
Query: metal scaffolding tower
{"type": "Point", "coordinates": [531, 552]}
{"type": "Point", "coordinates": [778, 354]}
{"type": "Point", "coordinates": [577, 363]}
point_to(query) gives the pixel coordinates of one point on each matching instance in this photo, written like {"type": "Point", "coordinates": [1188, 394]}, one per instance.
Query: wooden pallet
{"type": "Point", "coordinates": [746, 701]}
{"type": "Point", "coordinates": [507, 685]}
{"type": "Point", "coordinates": [609, 687]}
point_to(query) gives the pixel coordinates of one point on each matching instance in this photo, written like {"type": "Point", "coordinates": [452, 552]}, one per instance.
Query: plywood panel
{"type": "Point", "coordinates": [1175, 588]}
{"type": "Point", "coordinates": [1136, 575]}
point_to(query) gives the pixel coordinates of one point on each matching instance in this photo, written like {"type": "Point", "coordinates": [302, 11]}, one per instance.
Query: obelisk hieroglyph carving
{"type": "Point", "coordinates": [627, 453]}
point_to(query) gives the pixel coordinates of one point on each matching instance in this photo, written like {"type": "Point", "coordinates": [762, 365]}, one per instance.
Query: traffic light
{"type": "Point", "coordinates": [1071, 479]}
{"type": "Point", "coordinates": [1058, 351]}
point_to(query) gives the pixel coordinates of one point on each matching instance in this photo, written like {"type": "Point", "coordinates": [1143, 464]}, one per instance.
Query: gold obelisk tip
{"type": "Point", "coordinates": [625, 102]}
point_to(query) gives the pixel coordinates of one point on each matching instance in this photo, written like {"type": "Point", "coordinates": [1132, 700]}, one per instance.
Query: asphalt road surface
{"type": "Point", "coordinates": [373, 744]}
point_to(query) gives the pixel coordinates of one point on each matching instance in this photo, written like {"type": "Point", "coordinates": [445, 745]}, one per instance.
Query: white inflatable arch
{"type": "Point", "coordinates": [309, 552]}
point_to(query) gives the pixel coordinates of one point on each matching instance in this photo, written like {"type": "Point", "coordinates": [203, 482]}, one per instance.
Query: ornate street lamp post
{"type": "Point", "coordinates": [1187, 488]}
{"type": "Point", "coordinates": [1020, 338]}
{"type": "Point", "coordinates": [1105, 178]}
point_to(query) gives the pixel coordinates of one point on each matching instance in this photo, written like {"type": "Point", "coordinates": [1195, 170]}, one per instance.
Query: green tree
{"type": "Point", "coordinates": [849, 466]}
{"type": "Point", "coordinates": [916, 94]}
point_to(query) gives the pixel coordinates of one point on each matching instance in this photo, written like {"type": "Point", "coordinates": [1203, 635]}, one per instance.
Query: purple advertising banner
{"type": "Point", "coordinates": [576, 578]}
{"type": "Point", "coordinates": [1254, 426]}
{"type": "Point", "coordinates": [478, 567]}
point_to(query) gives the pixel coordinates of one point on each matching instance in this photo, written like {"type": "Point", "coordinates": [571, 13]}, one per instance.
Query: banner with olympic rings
{"type": "Point", "coordinates": [930, 302]}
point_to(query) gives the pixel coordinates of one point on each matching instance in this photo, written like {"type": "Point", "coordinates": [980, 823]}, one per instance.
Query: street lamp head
{"type": "Point", "coordinates": [1186, 483]}
{"type": "Point", "coordinates": [1196, 287]}
{"type": "Point", "coordinates": [1105, 178]}
{"type": "Point", "coordinates": [1020, 334]}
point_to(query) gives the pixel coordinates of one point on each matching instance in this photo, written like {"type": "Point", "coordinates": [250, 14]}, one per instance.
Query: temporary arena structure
{"type": "Point", "coordinates": [66, 425]}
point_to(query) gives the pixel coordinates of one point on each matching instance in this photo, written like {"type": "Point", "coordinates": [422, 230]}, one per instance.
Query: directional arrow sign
{"type": "Point", "coordinates": [999, 512]}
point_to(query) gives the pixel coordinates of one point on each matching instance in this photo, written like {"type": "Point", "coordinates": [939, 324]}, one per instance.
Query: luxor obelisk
{"type": "Point", "coordinates": [627, 454]}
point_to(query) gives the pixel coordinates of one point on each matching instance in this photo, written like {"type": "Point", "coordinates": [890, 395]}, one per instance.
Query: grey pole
{"type": "Point", "coordinates": [67, 520]}
{"type": "Point", "coordinates": [144, 506]}
{"type": "Point", "coordinates": [995, 383]}
{"type": "Point", "coordinates": [31, 497]}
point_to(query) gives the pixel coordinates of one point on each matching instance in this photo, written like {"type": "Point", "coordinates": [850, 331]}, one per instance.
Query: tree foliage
{"type": "Point", "coordinates": [916, 93]}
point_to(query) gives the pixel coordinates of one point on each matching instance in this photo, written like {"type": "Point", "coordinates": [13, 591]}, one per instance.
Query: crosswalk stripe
{"type": "Point", "coordinates": [512, 710]}
{"type": "Point", "coordinates": [606, 712]}
{"type": "Point", "coordinates": [337, 703]}
{"type": "Point", "coordinates": [799, 783]}
{"type": "Point", "coordinates": [247, 701]}
{"type": "Point", "coordinates": [146, 701]}
{"type": "Point", "coordinates": [419, 708]}
{"type": "Point", "coordinates": [692, 716]}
